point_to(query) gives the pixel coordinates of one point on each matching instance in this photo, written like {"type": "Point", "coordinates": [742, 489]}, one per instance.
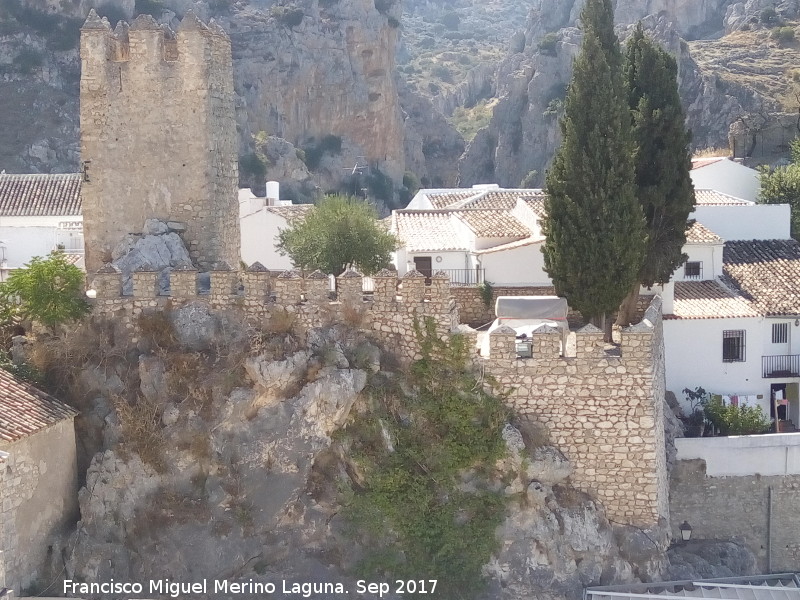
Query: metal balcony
{"type": "Point", "coordinates": [780, 365]}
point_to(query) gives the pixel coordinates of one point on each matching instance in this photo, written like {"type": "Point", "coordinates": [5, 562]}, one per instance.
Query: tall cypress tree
{"type": "Point", "coordinates": [663, 160]}
{"type": "Point", "coordinates": [594, 225]}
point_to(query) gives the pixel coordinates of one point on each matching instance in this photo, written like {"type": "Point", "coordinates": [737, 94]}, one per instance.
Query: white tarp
{"type": "Point", "coordinates": [551, 308]}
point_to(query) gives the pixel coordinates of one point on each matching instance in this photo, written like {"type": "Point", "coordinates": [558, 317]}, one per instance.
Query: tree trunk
{"type": "Point", "coordinates": [627, 310]}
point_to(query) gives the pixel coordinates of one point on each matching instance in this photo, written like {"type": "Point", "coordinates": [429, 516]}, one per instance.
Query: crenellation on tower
{"type": "Point", "coordinates": [158, 127]}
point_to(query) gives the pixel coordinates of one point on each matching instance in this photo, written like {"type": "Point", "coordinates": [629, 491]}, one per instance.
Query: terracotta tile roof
{"type": "Point", "coordinates": [482, 198]}
{"type": "Point", "coordinates": [536, 204]}
{"type": "Point", "coordinates": [493, 223]}
{"type": "Point", "coordinates": [291, 212]}
{"type": "Point", "coordinates": [699, 163]}
{"type": "Point", "coordinates": [40, 195]}
{"type": "Point", "coordinates": [767, 272]}
{"type": "Point", "coordinates": [24, 410]}
{"type": "Point", "coordinates": [445, 199]}
{"type": "Point", "coordinates": [708, 300]}
{"type": "Point", "coordinates": [700, 234]}
{"type": "Point", "coordinates": [501, 199]}
{"type": "Point", "coordinates": [715, 198]}
{"type": "Point", "coordinates": [427, 230]}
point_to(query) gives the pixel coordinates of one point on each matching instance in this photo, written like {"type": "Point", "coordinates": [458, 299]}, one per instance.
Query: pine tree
{"type": "Point", "coordinates": [594, 226]}
{"type": "Point", "coordinates": [663, 161]}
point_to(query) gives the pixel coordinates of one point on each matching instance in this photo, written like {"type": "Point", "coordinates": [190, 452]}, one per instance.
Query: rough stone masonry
{"type": "Point", "coordinates": [158, 136]}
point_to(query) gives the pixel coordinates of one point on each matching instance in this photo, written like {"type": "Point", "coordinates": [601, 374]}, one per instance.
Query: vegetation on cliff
{"type": "Point", "coordinates": [781, 185]}
{"type": "Point", "coordinates": [424, 506]}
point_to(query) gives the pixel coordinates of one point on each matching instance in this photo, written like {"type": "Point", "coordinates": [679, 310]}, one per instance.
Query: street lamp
{"type": "Point", "coordinates": [686, 531]}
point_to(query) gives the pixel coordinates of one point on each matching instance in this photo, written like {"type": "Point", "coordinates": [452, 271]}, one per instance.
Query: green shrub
{"type": "Point", "coordinates": [383, 6]}
{"type": "Point", "coordinates": [313, 152]}
{"type": "Point", "coordinates": [394, 23]}
{"type": "Point", "coordinates": [548, 43]}
{"type": "Point", "coordinates": [28, 60]}
{"type": "Point", "coordinates": [411, 511]}
{"type": "Point", "coordinates": [154, 8]}
{"type": "Point", "coordinates": [783, 35]}
{"type": "Point", "coordinates": [253, 165]}
{"type": "Point", "coordinates": [289, 16]}
{"type": "Point", "coordinates": [735, 420]}
{"type": "Point", "coordinates": [379, 184]}
{"type": "Point", "coordinates": [450, 20]}
{"type": "Point", "coordinates": [112, 12]}
{"type": "Point", "coordinates": [769, 16]}
{"type": "Point", "coordinates": [486, 292]}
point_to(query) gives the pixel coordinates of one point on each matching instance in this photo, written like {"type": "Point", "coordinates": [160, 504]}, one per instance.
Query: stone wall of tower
{"type": "Point", "coordinates": [157, 124]}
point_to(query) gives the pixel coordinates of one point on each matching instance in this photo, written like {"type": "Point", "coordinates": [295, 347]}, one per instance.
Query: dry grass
{"type": "Point", "coordinates": [156, 330]}
{"type": "Point", "coordinates": [753, 59]}
{"type": "Point", "coordinates": [142, 432]}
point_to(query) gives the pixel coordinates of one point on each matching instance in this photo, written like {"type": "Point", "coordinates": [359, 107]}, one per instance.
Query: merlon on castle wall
{"type": "Point", "coordinates": [604, 411]}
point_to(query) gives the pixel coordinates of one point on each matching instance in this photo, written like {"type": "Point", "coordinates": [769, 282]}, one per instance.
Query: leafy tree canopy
{"type": "Point", "coordinates": [48, 290]}
{"type": "Point", "coordinates": [663, 159]}
{"type": "Point", "coordinates": [341, 232]}
{"type": "Point", "coordinates": [781, 185]}
{"type": "Point", "coordinates": [594, 226]}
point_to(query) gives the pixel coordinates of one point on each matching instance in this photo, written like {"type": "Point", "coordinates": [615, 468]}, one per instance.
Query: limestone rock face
{"type": "Point", "coordinates": [326, 69]}
{"type": "Point", "coordinates": [524, 134]}
{"type": "Point", "coordinates": [159, 248]}
{"type": "Point", "coordinates": [706, 559]}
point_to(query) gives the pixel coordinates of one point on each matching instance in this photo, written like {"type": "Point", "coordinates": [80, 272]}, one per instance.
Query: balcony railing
{"type": "Point", "coordinates": [780, 365]}
{"type": "Point", "coordinates": [464, 276]}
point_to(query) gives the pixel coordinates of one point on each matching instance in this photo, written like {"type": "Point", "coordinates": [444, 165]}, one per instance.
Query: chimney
{"type": "Point", "coordinates": [273, 193]}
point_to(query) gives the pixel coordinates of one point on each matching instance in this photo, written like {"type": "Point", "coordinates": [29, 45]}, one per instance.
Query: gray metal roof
{"type": "Point", "coordinates": [783, 586]}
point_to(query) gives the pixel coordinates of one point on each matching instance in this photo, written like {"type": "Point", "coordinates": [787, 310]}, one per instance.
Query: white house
{"type": "Point", "coordinates": [260, 221]}
{"type": "Point", "coordinates": [727, 176]}
{"type": "Point", "coordinates": [739, 219]}
{"type": "Point", "coordinates": [39, 213]}
{"type": "Point", "coordinates": [484, 233]}
{"type": "Point", "coordinates": [732, 311]}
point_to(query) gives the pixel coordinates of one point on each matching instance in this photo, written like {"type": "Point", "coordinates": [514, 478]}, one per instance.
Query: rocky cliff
{"type": "Point", "coordinates": [319, 75]}
{"type": "Point", "coordinates": [531, 82]}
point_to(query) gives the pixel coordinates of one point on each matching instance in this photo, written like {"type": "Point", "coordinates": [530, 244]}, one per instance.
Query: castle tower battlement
{"type": "Point", "coordinates": [158, 135]}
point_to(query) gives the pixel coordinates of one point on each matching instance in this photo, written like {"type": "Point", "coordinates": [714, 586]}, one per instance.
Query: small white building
{"type": "Point", "coordinates": [726, 175]}
{"type": "Point", "coordinates": [484, 233]}
{"type": "Point", "coordinates": [739, 219]}
{"type": "Point", "coordinates": [38, 214]}
{"type": "Point", "coordinates": [260, 221]}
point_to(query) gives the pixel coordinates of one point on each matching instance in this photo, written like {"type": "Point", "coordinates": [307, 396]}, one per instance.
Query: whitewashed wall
{"type": "Point", "coordinates": [771, 454]}
{"type": "Point", "coordinates": [745, 221]}
{"type": "Point", "coordinates": [728, 177]}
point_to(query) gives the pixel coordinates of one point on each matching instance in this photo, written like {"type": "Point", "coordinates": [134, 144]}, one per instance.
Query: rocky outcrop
{"type": "Point", "coordinates": [158, 248]}
{"type": "Point", "coordinates": [524, 134]}
{"type": "Point", "coordinates": [314, 69]}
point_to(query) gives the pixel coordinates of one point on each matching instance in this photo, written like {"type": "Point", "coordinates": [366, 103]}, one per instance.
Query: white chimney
{"type": "Point", "coordinates": [273, 193]}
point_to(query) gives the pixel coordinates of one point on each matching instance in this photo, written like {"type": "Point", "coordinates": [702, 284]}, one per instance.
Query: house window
{"type": "Point", "coordinates": [780, 333]}
{"type": "Point", "coordinates": [693, 270]}
{"type": "Point", "coordinates": [733, 346]}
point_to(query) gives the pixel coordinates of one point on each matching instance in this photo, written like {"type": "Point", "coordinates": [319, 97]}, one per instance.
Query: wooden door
{"type": "Point", "coordinates": [424, 265]}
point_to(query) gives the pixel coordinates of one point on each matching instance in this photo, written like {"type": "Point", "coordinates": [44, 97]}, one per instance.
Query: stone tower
{"type": "Point", "coordinates": [158, 135]}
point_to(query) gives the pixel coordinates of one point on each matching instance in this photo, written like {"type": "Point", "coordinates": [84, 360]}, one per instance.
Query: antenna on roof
{"type": "Point", "coordinates": [358, 168]}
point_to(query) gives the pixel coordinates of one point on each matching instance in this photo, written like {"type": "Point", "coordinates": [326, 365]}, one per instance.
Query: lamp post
{"type": "Point", "coordinates": [686, 531]}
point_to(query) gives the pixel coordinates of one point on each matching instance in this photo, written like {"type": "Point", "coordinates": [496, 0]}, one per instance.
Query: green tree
{"type": "Point", "coordinates": [662, 161]}
{"type": "Point", "coordinates": [781, 185]}
{"type": "Point", "coordinates": [341, 232]}
{"type": "Point", "coordinates": [594, 226]}
{"type": "Point", "coordinates": [48, 290]}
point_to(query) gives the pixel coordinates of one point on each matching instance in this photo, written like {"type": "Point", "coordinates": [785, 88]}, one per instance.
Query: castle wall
{"type": "Point", "coordinates": [759, 512]}
{"type": "Point", "coordinates": [603, 411]}
{"type": "Point", "coordinates": [157, 124]}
